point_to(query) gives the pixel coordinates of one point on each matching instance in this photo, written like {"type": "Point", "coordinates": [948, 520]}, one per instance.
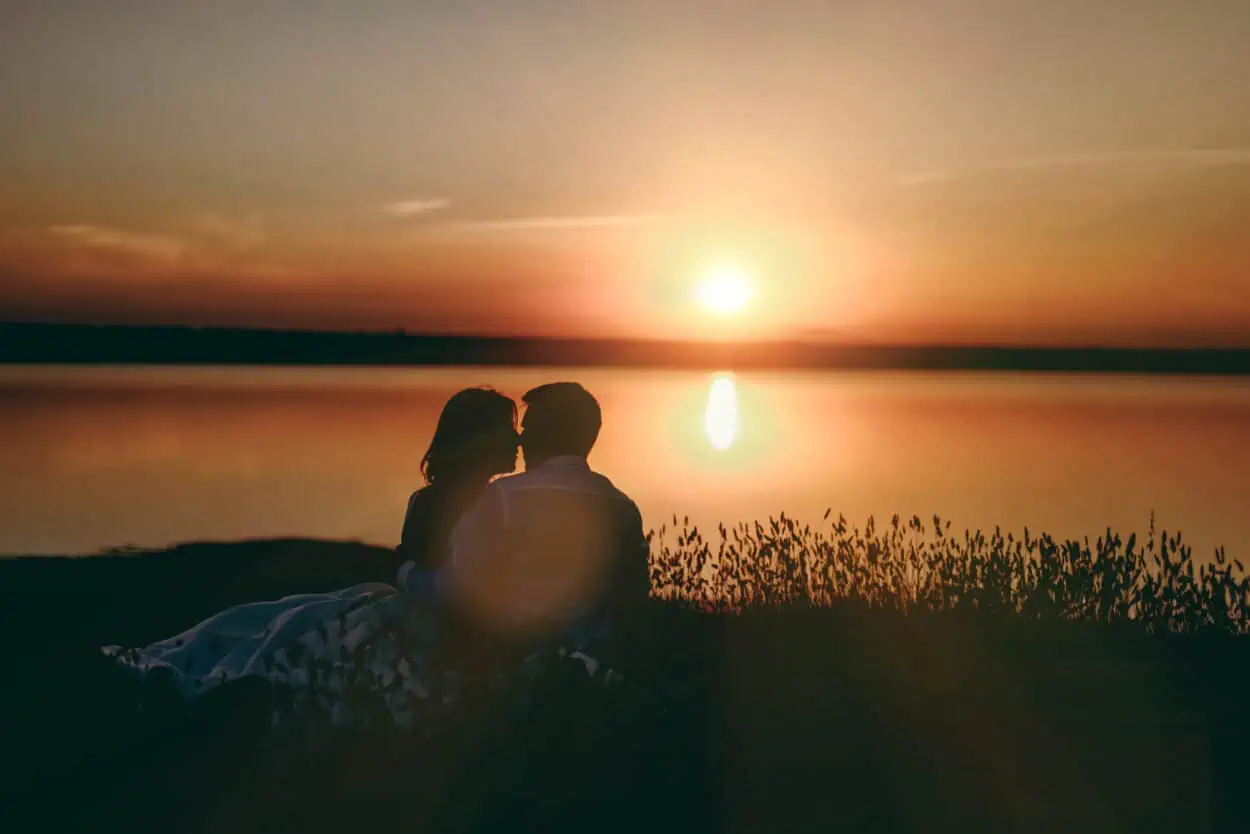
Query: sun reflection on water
{"type": "Point", "coordinates": [720, 419]}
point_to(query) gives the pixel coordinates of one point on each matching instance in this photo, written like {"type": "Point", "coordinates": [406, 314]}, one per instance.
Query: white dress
{"type": "Point", "coordinates": [372, 637]}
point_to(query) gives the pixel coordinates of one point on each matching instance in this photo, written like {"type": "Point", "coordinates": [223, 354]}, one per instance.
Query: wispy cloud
{"type": "Point", "coordinates": [1215, 157]}
{"type": "Point", "coordinates": [416, 207]}
{"type": "Point", "coordinates": [145, 246]}
{"type": "Point", "coordinates": [204, 245]}
{"type": "Point", "coordinates": [236, 234]}
{"type": "Point", "coordinates": [592, 221]}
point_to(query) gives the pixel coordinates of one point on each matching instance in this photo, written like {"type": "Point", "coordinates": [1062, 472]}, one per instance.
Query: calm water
{"type": "Point", "coordinates": [98, 457]}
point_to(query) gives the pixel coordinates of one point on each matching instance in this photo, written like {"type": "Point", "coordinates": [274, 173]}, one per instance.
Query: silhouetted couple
{"type": "Point", "coordinates": [555, 548]}
{"type": "Point", "coordinates": [554, 558]}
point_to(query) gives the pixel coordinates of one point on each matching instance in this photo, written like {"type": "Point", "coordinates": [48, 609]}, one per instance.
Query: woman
{"type": "Point", "coordinates": [475, 439]}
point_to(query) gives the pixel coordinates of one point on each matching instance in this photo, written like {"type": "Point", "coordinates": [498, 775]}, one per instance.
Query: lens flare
{"type": "Point", "coordinates": [720, 420]}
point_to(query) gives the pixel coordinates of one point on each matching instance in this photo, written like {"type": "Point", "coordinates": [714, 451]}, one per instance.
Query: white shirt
{"type": "Point", "coordinates": [545, 546]}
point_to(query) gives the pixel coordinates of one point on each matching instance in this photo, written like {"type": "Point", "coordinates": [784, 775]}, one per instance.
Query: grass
{"type": "Point", "coordinates": [909, 566]}
{"type": "Point", "coordinates": [890, 678]}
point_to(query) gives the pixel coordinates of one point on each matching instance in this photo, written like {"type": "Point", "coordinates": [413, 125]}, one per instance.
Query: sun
{"type": "Point", "coordinates": [724, 289]}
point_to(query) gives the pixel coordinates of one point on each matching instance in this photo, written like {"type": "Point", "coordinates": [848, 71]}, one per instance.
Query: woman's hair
{"type": "Point", "coordinates": [472, 433]}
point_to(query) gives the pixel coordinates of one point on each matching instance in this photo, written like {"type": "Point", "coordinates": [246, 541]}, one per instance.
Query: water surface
{"type": "Point", "coordinates": [100, 457]}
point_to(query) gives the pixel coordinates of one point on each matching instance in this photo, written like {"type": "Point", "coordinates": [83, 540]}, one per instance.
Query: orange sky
{"type": "Point", "coordinates": [962, 170]}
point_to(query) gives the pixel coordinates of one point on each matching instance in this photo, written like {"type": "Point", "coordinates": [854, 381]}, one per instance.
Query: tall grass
{"type": "Point", "coordinates": [910, 566]}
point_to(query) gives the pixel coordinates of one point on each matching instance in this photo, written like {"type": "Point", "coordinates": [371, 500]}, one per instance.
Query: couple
{"type": "Point", "coordinates": [554, 548]}
{"type": "Point", "coordinates": [555, 557]}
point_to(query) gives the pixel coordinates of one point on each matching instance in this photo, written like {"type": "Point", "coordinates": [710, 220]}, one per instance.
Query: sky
{"type": "Point", "coordinates": [954, 170]}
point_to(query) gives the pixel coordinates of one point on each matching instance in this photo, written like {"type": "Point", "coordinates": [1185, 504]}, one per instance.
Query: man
{"type": "Point", "coordinates": [557, 549]}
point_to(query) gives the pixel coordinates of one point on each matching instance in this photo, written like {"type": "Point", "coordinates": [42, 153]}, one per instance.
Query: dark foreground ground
{"type": "Point", "coordinates": [779, 720]}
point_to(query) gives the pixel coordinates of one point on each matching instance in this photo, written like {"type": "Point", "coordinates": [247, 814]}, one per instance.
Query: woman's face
{"type": "Point", "coordinates": [503, 447]}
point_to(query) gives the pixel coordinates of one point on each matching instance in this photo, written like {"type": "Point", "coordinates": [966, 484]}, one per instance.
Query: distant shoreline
{"type": "Point", "coordinates": [35, 344]}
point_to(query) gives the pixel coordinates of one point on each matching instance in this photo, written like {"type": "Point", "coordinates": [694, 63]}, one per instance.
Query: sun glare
{"type": "Point", "coordinates": [724, 289]}
{"type": "Point", "coordinates": [720, 420]}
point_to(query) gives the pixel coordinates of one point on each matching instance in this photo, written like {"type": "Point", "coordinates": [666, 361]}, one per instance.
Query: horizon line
{"type": "Point", "coordinates": [43, 344]}
{"type": "Point", "coordinates": [814, 339]}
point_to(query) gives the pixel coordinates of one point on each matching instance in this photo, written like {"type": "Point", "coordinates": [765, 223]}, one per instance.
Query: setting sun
{"type": "Point", "coordinates": [724, 289]}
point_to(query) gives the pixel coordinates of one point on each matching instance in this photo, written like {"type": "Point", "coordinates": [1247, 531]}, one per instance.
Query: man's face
{"type": "Point", "coordinates": [530, 453]}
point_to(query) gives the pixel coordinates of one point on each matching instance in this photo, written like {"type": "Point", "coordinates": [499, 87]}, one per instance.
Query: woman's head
{"type": "Point", "coordinates": [476, 437]}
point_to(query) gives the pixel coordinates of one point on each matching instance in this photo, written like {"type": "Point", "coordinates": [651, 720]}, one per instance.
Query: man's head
{"type": "Point", "coordinates": [561, 418]}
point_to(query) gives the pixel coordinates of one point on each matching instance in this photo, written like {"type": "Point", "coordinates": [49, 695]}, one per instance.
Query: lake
{"type": "Point", "coordinates": [98, 457]}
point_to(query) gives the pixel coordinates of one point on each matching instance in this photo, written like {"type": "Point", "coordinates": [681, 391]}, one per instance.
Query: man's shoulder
{"type": "Point", "coordinates": [507, 483]}
{"type": "Point", "coordinates": [544, 477]}
{"type": "Point", "coordinates": [611, 489]}
{"type": "Point", "coordinates": [576, 479]}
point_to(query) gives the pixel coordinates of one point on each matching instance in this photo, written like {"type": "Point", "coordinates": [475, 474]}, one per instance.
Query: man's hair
{"type": "Point", "coordinates": [562, 418]}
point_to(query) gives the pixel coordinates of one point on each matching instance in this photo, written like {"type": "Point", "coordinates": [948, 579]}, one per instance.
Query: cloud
{"type": "Point", "coordinates": [1215, 157]}
{"type": "Point", "coordinates": [206, 245]}
{"type": "Point", "coordinates": [144, 246]}
{"type": "Point", "coordinates": [414, 208]}
{"type": "Point", "coordinates": [236, 234]}
{"type": "Point", "coordinates": [593, 221]}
